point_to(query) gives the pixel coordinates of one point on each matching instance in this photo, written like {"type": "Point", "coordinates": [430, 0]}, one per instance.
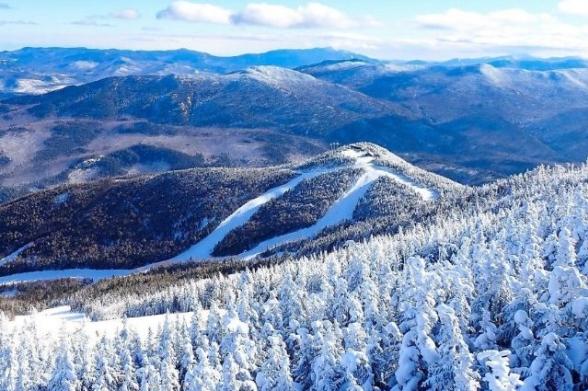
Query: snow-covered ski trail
{"type": "Point", "coordinates": [342, 209]}
{"type": "Point", "coordinates": [11, 257]}
{"type": "Point", "coordinates": [364, 161]}
{"type": "Point", "coordinates": [47, 275]}
{"type": "Point", "coordinates": [204, 248]}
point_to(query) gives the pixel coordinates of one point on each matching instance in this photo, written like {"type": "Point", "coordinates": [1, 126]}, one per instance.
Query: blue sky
{"type": "Point", "coordinates": [391, 29]}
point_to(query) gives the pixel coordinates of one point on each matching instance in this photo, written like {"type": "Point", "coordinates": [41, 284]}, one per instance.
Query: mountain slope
{"type": "Point", "coordinates": [472, 121]}
{"type": "Point", "coordinates": [40, 153]}
{"type": "Point", "coordinates": [256, 98]}
{"type": "Point", "coordinates": [443, 94]}
{"type": "Point", "coordinates": [202, 213]}
{"type": "Point", "coordinates": [149, 124]}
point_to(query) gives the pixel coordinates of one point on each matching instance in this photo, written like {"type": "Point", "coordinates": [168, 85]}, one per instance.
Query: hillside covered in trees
{"type": "Point", "coordinates": [491, 294]}
{"type": "Point", "coordinates": [345, 194]}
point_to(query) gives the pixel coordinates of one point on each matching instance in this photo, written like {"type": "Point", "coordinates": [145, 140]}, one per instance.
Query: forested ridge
{"type": "Point", "coordinates": [130, 222]}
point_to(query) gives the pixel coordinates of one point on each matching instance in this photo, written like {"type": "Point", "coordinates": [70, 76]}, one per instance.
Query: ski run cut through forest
{"type": "Point", "coordinates": [340, 211]}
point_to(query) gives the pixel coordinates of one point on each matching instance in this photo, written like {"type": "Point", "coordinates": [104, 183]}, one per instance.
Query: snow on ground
{"type": "Point", "coordinates": [366, 163]}
{"type": "Point", "coordinates": [203, 249]}
{"type": "Point", "coordinates": [61, 319]}
{"type": "Point", "coordinates": [425, 193]}
{"type": "Point", "coordinates": [37, 87]}
{"type": "Point", "coordinates": [44, 275]}
{"type": "Point", "coordinates": [341, 210]}
{"type": "Point", "coordinates": [495, 76]}
{"type": "Point", "coordinates": [277, 77]}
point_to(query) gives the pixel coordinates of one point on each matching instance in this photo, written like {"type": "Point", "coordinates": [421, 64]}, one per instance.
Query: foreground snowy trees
{"type": "Point", "coordinates": [489, 298]}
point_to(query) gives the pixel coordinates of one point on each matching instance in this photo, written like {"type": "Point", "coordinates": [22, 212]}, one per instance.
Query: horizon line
{"type": "Point", "coordinates": [446, 59]}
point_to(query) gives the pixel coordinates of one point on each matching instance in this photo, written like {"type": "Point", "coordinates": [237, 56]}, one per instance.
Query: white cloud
{"type": "Point", "coordinates": [126, 14]}
{"type": "Point", "coordinates": [263, 14]}
{"type": "Point", "coordinates": [459, 20]}
{"type": "Point", "coordinates": [104, 20]}
{"type": "Point", "coordinates": [510, 30]}
{"type": "Point", "coordinates": [196, 12]}
{"type": "Point", "coordinates": [311, 15]}
{"type": "Point", "coordinates": [574, 7]}
{"type": "Point", "coordinates": [92, 21]}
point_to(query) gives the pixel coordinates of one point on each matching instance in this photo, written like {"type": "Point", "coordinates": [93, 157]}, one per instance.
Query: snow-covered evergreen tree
{"type": "Point", "coordinates": [501, 278]}
{"type": "Point", "coordinates": [499, 376]}
{"type": "Point", "coordinates": [274, 373]}
{"type": "Point", "coordinates": [551, 367]}
{"type": "Point", "coordinates": [64, 377]}
{"type": "Point", "coordinates": [454, 367]}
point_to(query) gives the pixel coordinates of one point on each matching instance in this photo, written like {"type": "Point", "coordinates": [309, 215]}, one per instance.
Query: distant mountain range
{"type": "Point", "coordinates": [494, 119]}
{"type": "Point", "coordinates": [259, 97]}
{"type": "Point", "coordinates": [40, 70]}
{"type": "Point", "coordinates": [471, 120]}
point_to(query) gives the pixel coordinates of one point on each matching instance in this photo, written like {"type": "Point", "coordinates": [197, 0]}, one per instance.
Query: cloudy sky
{"type": "Point", "coordinates": [389, 29]}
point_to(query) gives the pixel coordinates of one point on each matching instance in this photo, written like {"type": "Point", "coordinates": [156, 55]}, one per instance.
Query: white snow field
{"type": "Point", "coordinates": [53, 321]}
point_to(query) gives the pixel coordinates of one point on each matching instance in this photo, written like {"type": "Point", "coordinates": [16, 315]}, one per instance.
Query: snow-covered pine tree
{"type": "Point", "coordinates": [149, 379]}
{"type": "Point", "coordinates": [64, 377]}
{"type": "Point", "coordinates": [453, 368]}
{"type": "Point", "coordinates": [201, 376]}
{"type": "Point", "coordinates": [499, 376]}
{"type": "Point", "coordinates": [105, 376]}
{"type": "Point", "coordinates": [229, 380]}
{"type": "Point", "coordinates": [550, 370]}
{"type": "Point", "coordinates": [7, 356]}
{"type": "Point", "coordinates": [566, 249]}
{"type": "Point", "coordinates": [326, 373]}
{"type": "Point", "coordinates": [274, 373]}
{"type": "Point", "coordinates": [168, 373]}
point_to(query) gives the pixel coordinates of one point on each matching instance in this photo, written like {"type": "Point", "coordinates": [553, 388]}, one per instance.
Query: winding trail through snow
{"type": "Point", "coordinates": [343, 208]}
{"type": "Point", "coordinates": [340, 211]}
{"type": "Point", "coordinates": [364, 162]}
